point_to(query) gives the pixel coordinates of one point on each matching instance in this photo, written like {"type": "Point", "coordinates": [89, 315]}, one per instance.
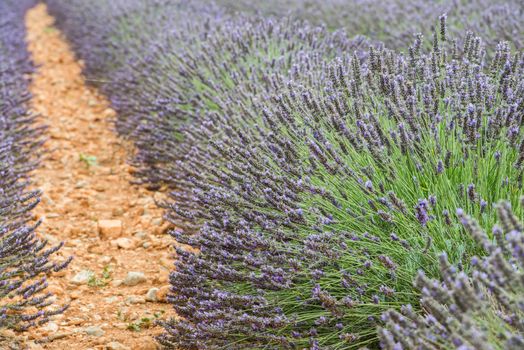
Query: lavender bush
{"type": "Point", "coordinates": [216, 87]}
{"type": "Point", "coordinates": [481, 311]}
{"type": "Point", "coordinates": [25, 260]}
{"type": "Point", "coordinates": [321, 217]}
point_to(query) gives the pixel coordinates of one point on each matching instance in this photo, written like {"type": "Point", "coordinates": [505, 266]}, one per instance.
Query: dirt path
{"type": "Point", "coordinates": [85, 180]}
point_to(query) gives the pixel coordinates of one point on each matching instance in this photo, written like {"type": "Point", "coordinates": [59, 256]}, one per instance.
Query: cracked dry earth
{"type": "Point", "coordinates": [112, 228]}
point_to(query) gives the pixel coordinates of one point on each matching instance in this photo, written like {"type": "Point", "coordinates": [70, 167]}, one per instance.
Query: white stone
{"type": "Point", "coordinates": [124, 243]}
{"type": "Point", "coordinates": [116, 283]}
{"type": "Point", "coordinates": [134, 277]}
{"type": "Point", "coordinates": [82, 277]}
{"type": "Point", "coordinates": [133, 299]}
{"type": "Point", "coordinates": [140, 234]}
{"type": "Point", "coordinates": [151, 295]}
{"type": "Point", "coordinates": [94, 331]}
{"type": "Point", "coordinates": [51, 327]}
{"type": "Point", "coordinates": [111, 300]}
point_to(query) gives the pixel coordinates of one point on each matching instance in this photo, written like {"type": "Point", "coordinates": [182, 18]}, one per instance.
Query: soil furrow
{"type": "Point", "coordinates": [112, 228]}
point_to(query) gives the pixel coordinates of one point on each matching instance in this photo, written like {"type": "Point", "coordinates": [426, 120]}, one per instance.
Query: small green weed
{"type": "Point", "coordinates": [87, 159]}
{"type": "Point", "coordinates": [95, 281]}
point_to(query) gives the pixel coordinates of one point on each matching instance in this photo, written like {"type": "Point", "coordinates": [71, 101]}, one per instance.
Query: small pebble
{"type": "Point", "coordinates": [81, 184]}
{"type": "Point", "coordinates": [110, 228]}
{"type": "Point", "coordinates": [134, 277]}
{"type": "Point", "coordinates": [157, 221]}
{"type": "Point", "coordinates": [94, 331]}
{"type": "Point", "coordinates": [50, 327]}
{"type": "Point", "coordinates": [118, 212]}
{"type": "Point", "coordinates": [123, 243]}
{"type": "Point", "coordinates": [152, 294]}
{"type": "Point", "coordinates": [140, 234]}
{"type": "Point", "coordinates": [82, 277]}
{"type": "Point", "coordinates": [166, 262]}
{"type": "Point", "coordinates": [116, 283]}
{"type": "Point", "coordinates": [135, 300]}
{"type": "Point", "coordinates": [110, 300]}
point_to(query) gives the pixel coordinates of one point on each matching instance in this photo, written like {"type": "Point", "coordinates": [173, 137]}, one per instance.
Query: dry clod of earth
{"type": "Point", "coordinates": [112, 228]}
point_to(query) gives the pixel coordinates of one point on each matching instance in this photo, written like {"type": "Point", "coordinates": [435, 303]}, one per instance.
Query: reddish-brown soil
{"type": "Point", "coordinates": [85, 180]}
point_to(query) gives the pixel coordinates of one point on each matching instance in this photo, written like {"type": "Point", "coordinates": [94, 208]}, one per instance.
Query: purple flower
{"type": "Point", "coordinates": [421, 212]}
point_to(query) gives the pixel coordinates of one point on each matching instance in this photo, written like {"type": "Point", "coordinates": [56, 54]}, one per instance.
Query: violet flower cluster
{"type": "Point", "coordinates": [481, 310]}
{"type": "Point", "coordinates": [25, 260]}
{"type": "Point", "coordinates": [313, 178]}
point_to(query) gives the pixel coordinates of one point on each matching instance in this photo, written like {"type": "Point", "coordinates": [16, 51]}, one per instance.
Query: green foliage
{"type": "Point", "coordinates": [88, 160]}
{"type": "Point", "coordinates": [95, 281]}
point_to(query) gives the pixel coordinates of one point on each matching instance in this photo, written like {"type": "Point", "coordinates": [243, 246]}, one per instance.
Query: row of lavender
{"type": "Point", "coordinates": [319, 175]}
{"type": "Point", "coordinates": [394, 22]}
{"type": "Point", "coordinates": [25, 260]}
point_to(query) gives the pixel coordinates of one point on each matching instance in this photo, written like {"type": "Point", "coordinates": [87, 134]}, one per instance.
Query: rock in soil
{"type": "Point", "coordinates": [82, 277]}
{"type": "Point", "coordinates": [124, 243]}
{"type": "Point", "coordinates": [152, 294]}
{"type": "Point", "coordinates": [94, 331]}
{"type": "Point", "coordinates": [110, 228]}
{"type": "Point", "coordinates": [134, 277]}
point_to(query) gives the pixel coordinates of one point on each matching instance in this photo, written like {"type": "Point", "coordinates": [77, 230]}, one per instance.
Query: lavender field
{"type": "Point", "coordinates": [339, 174]}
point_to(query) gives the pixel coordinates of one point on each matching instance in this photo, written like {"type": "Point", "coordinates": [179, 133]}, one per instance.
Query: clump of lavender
{"type": "Point", "coordinates": [479, 310]}
{"type": "Point", "coordinates": [25, 260]}
{"type": "Point", "coordinates": [321, 216]}
{"type": "Point", "coordinates": [214, 87]}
